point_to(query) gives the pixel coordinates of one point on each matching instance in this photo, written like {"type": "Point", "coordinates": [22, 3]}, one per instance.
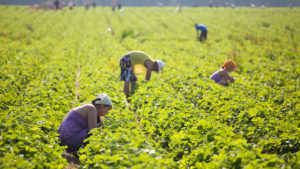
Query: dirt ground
{"type": "Point", "coordinates": [72, 160]}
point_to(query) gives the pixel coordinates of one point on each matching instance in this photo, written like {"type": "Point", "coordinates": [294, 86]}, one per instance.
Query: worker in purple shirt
{"type": "Point", "coordinates": [203, 29]}
{"type": "Point", "coordinates": [78, 123]}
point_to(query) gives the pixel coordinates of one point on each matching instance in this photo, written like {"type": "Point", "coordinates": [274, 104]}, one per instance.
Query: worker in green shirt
{"type": "Point", "coordinates": [137, 62]}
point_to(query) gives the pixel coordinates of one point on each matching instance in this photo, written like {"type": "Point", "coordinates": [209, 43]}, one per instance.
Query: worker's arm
{"type": "Point", "coordinates": [149, 66]}
{"type": "Point", "coordinates": [226, 76]}
{"type": "Point", "coordinates": [92, 117]}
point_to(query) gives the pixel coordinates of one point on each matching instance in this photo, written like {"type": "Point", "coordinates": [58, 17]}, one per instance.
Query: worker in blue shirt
{"type": "Point", "coordinates": [203, 29]}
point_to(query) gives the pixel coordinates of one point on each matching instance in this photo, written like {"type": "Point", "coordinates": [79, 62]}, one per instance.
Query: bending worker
{"type": "Point", "coordinates": [76, 126]}
{"type": "Point", "coordinates": [222, 76]}
{"type": "Point", "coordinates": [203, 29]}
{"type": "Point", "coordinates": [134, 61]}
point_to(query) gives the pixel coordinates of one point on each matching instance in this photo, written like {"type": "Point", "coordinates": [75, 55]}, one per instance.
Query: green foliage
{"type": "Point", "coordinates": [127, 33]}
{"type": "Point", "coordinates": [53, 61]}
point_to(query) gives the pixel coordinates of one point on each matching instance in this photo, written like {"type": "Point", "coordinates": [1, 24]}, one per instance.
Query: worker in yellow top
{"type": "Point", "coordinates": [132, 63]}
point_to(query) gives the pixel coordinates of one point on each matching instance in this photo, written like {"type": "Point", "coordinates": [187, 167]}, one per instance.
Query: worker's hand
{"type": "Point", "coordinates": [231, 79]}
{"type": "Point", "coordinates": [128, 100]}
{"type": "Point", "coordinates": [101, 120]}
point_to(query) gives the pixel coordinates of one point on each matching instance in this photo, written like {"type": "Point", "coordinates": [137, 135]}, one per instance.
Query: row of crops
{"type": "Point", "coordinates": [54, 61]}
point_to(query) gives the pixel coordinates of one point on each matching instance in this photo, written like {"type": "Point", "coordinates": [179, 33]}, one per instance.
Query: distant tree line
{"type": "Point", "coordinates": [276, 3]}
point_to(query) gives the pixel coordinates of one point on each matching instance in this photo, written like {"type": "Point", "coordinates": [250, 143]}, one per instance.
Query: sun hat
{"type": "Point", "coordinates": [160, 64]}
{"type": "Point", "coordinates": [103, 99]}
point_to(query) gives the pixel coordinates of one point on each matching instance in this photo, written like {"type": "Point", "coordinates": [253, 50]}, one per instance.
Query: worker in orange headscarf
{"type": "Point", "coordinates": [222, 76]}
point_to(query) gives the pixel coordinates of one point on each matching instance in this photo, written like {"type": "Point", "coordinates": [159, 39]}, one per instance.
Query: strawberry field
{"type": "Point", "coordinates": [54, 61]}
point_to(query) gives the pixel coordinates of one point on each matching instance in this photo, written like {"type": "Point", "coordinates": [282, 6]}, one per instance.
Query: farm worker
{"type": "Point", "coordinates": [71, 4]}
{"type": "Point", "coordinates": [94, 3]}
{"type": "Point", "coordinates": [137, 62]}
{"type": "Point", "coordinates": [50, 3]}
{"type": "Point", "coordinates": [203, 29]}
{"type": "Point", "coordinates": [56, 3]}
{"type": "Point", "coordinates": [113, 5]}
{"type": "Point", "coordinates": [221, 76]}
{"type": "Point", "coordinates": [87, 4]}
{"type": "Point", "coordinates": [76, 125]}
{"type": "Point", "coordinates": [178, 8]}
{"type": "Point", "coordinates": [119, 5]}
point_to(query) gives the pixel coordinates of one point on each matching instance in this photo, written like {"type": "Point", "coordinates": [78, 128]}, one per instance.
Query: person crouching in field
{"type": "Point", "coordinates": [203, 29]}
{"type": "Point", "coordinates": [76, 126]}
{"type": "Point", "coordinates": [131, 62]}
{"type": "Point", "coordinates": [221, 76]}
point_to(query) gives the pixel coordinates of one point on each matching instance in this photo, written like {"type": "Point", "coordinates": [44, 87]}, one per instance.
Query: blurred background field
{"type": "Point", "coordinates": [258, 3]}
{"type": "Point", "coordinates": [52, 61]}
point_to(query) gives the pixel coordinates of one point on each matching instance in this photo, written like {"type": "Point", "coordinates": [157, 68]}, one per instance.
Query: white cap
{"type": "Point", "coordinates": [160, 64]}
{"type": "Point", "coordinates": [103, 99]}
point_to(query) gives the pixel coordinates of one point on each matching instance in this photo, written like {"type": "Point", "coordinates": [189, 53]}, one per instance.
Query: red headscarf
{"type": "Point", "coordinates": [229, 64]}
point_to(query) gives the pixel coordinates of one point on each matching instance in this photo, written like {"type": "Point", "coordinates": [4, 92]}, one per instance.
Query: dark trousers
{"type": "Point", "coordinates": [203, 35]}
{"type": "Point", "coordinates": [56, 3]}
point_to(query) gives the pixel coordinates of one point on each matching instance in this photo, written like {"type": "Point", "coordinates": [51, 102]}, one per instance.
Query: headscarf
{"type": "Point", "coordinates": [102, 99]}
{"type": "Point", "coordinates": [229, 64]}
